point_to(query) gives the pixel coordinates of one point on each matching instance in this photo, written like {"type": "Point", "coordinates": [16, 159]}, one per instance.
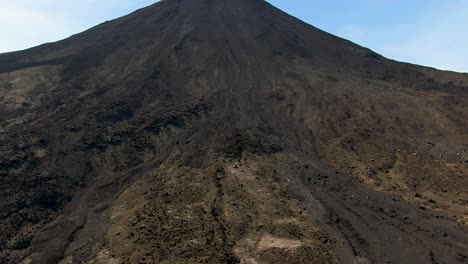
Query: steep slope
{"type": "Point", "coordinates": [216, 131]}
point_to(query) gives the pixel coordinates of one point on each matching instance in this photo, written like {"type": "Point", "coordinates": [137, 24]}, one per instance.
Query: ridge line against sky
{"type": "Point", "coordinates": [432, 33]}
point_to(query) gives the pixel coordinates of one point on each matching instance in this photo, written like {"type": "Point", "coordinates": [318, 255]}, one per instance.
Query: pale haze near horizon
{"type": "Point", "coordinates": [432, 33]}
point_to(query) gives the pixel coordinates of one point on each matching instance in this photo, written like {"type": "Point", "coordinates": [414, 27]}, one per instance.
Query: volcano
{"type": "Point", "coordinates": [216, 131]}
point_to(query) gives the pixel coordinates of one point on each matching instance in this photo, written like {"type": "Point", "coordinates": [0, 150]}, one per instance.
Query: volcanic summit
{"type": "Point", "coordinates": [226, 131]}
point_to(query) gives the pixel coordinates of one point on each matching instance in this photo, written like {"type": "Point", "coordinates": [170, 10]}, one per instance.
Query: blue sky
{"type": "Point", "coordinates": [430, 32]}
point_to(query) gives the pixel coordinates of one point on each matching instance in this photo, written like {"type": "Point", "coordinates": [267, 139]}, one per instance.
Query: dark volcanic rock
{"type": "Point", "coordinates": [221, 131]}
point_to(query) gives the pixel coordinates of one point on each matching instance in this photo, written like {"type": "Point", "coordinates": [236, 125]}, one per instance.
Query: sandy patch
{"type": "Point", "coordinates": [268, 242]}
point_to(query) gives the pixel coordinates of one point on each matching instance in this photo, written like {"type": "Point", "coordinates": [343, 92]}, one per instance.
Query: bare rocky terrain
{"type": "Point", "coordinates": [216, 131]}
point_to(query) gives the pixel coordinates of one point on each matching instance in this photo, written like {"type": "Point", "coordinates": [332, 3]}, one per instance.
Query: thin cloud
{"type": "Point", "coordinates": [23, 27]}
{"type": "Point", "coordinates": [28, 23]}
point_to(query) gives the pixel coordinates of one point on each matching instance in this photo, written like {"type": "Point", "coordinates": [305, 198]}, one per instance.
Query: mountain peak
{"type": "Point", "coordinates": [216, 131]}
